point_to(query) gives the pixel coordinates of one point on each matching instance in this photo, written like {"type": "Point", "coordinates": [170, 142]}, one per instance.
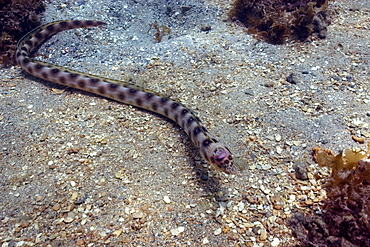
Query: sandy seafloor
{"type": "Point", "coordinates": [81, 170]}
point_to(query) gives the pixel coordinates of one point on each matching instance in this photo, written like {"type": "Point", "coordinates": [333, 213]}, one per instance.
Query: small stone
{"type": "Point", "coordinates": [252, 167]}
{"type": "Point", "coordinates": [269, 84]}
{"type": "Point", "coordinates": [191, 52]}
{"type": "Point", "coordinates": [69, 208]}
{"type": "Point", "coordinates": [308, 202]}
{"type": "Point", "coordinates": [39, 198]}
{"type": "Point", "coordinates": [57, 91]}
{"type": "Point", "coordinates": [324, 141]}
{"type": "Point", "coordinates": [205, 28]}
{"type": "Point", "coordinates": [297, 143]}
{"type": "Point", "coordinates": [249, 92]}
{"type": "Point", "coordinates": [275, 242]}
{"type": "Point", "coordinates": [70, 217]}
{"type": "Point", "coordinates": [118, 175]}
{"type": "Point", "coordinates": [80, 242]}
{"type": "Point", "coordinates": [138, 215]}
{"type": "Point", "coordinates": [278, 137]}
{"type": "Point", "coordinates": [80, 200]}
{"type": "Point", "coordinates": [349, 78]}
{"type": "Point", "coordinates": [102, 141]}
{"type": "Point", "coordinates": [226, 229]}
{"type": "Point", "coordinates": [263, 235]}
{"type": "Point", "coordinates": [25, 224]}
{"type": "Point", "coordinates": [56, 207]}
{"type": "Point", "coordinates": [365, 133]}
{"type": "Point", "coordinates": [11, 85]}
{"type": "Point", "coordinates": [73, 150]}
{"type": "Point", "coordinates": [248, 225]}
{"type": "Point", "coordinates": [336, 78]}
{"type": "Point", "coordinates": [265, 190]}
{"type": "Point", "coordinates": [103, 234]}
{"type": "Point", "coordinates": [166, 199]}
{"type": "Point", "coordinates": [74, 196]}
{"type": "Point", "coordinates": [266, 166]}
{"type": "Point", "coordinates": [117, 233]}
{"type": "Point", "coordinates": [240, 206]}
{"type": "Point", "coordinates": [218, 231]}
{"type": "Point", "coordinates": [292, 78]}
{"type": "Point", "coordinates": [177, 231]}
{"type": "Point", "coordinates": [205, 241]}
{"type": "Point", "coordinates": [300, 170]}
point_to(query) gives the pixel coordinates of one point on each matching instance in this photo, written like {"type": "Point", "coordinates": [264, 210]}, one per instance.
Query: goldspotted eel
{"type": "Point", "coordinates": [211, 150]}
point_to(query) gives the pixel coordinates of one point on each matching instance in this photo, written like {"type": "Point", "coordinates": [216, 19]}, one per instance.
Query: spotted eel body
{"type": "Point", "coordinates": [128, 93]}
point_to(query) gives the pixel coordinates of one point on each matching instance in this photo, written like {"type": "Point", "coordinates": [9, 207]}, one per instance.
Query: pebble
{"type": "Point", "coordinates": [138, 215]}
{"type": "Point", "coordinates": [74, 196]}
{"type": "Point", "coordinates": [300, 170]}
{"type": "Point", "coordinates": [265, 190]}
{"type": "Point", "coordinates": [70, 217]}
{"type": "Point", "coordinates": [177, 231]}
{"type": "Point", "coordinates": [39, 198]}
{"type": "Point", "coordinates": [80, 242]}
{"type": "Point", "coordinates": [248, 225]}
{"type": "Point", "coordinates": [266, 166]}
{"type": "Point", "coordinates": [275, 242]}
{"type": "Point", "coordinates": [365, 133]}
{"type": "Point", "coordinates": [205, 241]}
{"type": "Point", "coordinates": [241, 206]}
{"type": "Point", "coordinates": [117, 233]}
{"type": "Point", "coordinates": [292, 78]}
{"type": "Point", "coordinates": [217, 231]}
{"type": "Point", "coordinates": [166, 199]}
{"type": "Point", "coordinates": [278, 137]}
{"type": "Point", "coordinates": [191, 52]}
{"type": "Point", "coordinates": [118, 175]}
{"type": "Point", "coordinates": [56, 207]}
{"type": "Point", "coordinates": [263, 235]}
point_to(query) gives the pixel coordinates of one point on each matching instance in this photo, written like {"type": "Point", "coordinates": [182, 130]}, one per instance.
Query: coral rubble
{"type": "Point", "coordinates": [17, 17]}
{"type": "Point", "coordinates": [345, 219]}
{"type": "Point", "coordinates": [275, 21]}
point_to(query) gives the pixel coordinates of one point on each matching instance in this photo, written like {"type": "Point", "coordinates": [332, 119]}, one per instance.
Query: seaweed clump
{"type": "Point", "coordinates": [17, 17]}
{"type": "Point", "coordinates": [345, 220]}
{"type": "Point", "coordinates": [276, 21]}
